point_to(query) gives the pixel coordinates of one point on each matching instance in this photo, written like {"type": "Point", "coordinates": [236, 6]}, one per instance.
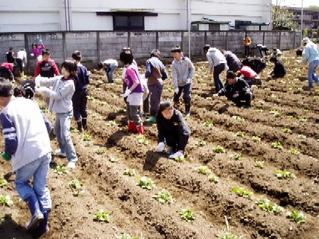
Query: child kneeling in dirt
{"type": "Point", "coordinates": [60, 96]}
{"type": "Point", "coordinates": [27, 145]}
{"type": "Point", "coordinates": [279, 70]}
{"type": "Point", "coordinates": [172, 131]}
{"type": "Point", "coordinates": [236, 90]}
{"type": "Point", "coordinates": [134, 93]}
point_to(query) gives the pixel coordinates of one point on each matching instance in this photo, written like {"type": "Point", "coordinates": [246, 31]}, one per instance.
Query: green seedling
{"type": "Point", "coordinates": [103, 216]}
{"type": "Point", "coordinates": [297, 217]}
{"type": "Point", "coordinates": [256, 139]}
{"type": "Point", "coordinates": [236, 156]}
{"type": "Point", "coordinates": [180, 159]}
{"type": "Point", "coordinates": [141, 139]}
{"type": "Point", "coordinates": [303, 120]}
{"type": "Point", "coordinates": [164, 197]}
{"type": "Point", "coordinates": [201, 143]}
{"type": "Point", "coordinates": [301, 136]}
{"type": "Point", "coordinates": [242, 192]}
{"type": "Point", "coordinates": [294, 151]}
{"type": "Point", "coordinates": [127, 236]}
{"type": "Point", "coordinates": [277, 145]}
{"type": "Point", "coordinates": [87, 137]}
{"type": "Point", "coordinates": [60, 169]}
{"type": "Point", "coordinates": [100, 151]}
{"type": "Point", "coordinates": [203, 170]}
{"type": "Point", "coordinates": [187, 214]}
{"type": "Point", "coordinates": [76, 187]}
{"type": "Point", "coordinates": [287, 130]}
{"type": "Point", "coordinates": [238, 118]}
{"type": "Point", "coordinates": [260, 164]}
{"type": "Point", "coordinates": [146, 183]}
{"type": "Point", "coordinates": [5, 200]}
{"type": "Point", "coordinates": [219, 149]}
{"type": "Point", "coordinates": [284, 174]}
{"type": "Point", "coordinates": [268, 206]}
{"type": "Point", "coordinates": [228, 235]}
{"type": "Point", "coordinates": [213, 178]}
{"type": "Point", "coordinates": [209, 124]}
{"type": "Point", "coordinates": [3, 182]}
{"type": "Point", "coordinates": [129, 172]}
{"type": "Point", "coordinates": [240, 134]}
{"type": "Point", "coordinates": [275, 113]}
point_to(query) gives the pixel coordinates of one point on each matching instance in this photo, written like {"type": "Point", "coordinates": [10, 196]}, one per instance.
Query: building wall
{"type": "Point", "coordinates": [39, 15]}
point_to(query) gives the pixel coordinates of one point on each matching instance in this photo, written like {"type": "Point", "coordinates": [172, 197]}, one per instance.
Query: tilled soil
{"type": "Point", "coordinates": [281, 112]}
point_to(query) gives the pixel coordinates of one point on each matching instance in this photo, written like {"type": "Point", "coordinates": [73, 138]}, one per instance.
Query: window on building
{"type": "Point", "coordinates": [128, 23]}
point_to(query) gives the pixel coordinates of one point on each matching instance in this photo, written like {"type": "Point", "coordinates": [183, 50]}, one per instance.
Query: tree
{"type": "Point", "coordinates": [283, 19]}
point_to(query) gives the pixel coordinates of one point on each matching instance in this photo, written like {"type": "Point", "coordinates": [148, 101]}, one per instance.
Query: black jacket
{"type": "Point", "coordinates": [174, 127]}
{"type": "Point", "coordinates": [279, 70]}
{"type": "Point", "coordinates": [240, 87]}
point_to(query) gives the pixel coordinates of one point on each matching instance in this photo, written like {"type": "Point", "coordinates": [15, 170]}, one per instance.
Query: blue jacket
{"type": "Point", "coordinates": [311, 52]}
{"type": "Point", "coordinates": [83, 78]}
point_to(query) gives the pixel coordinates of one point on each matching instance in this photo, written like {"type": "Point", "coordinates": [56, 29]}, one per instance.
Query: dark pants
{"type": "Point", "coordinates": [20, 64]}
{"type": "Point", "coordinates": [134, 114]}
{"type": "Point", "coordinates": [177, 142]}
{"type": "Point", "coordinates": [217, 71]}
{"type": "Point", "coordinates": [154, 99]}
{"type": "Point", "coordinates": [80, 104]}
{"type": "Point", "coordinates": [244, 99]}
{"type": "Point", "coordinates": [187, 91]}
{"type": "Point", "coordinates": [247, 51]}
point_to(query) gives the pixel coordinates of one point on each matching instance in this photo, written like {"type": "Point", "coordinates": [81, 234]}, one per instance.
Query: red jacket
{"type": "Point", "coordinates": [47, 69]}
{"type": "Point", "coordinates": [9, 66]}
{"type": "Point", "coordinates": [247, 72]}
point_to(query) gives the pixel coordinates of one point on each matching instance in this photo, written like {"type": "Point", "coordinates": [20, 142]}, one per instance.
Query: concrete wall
{"type": "Point", "coordinates": [97, 46]}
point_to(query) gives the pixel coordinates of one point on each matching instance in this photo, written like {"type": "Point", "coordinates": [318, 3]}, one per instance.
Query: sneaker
{"type": "Point", "coordinates": [71, 165]}
{"type": "Point", "coordinates": [176, 155]}
{"type": "Point", "coordinates": [151, 120]}
{"type": "Point", "coordinates": [59, 153]}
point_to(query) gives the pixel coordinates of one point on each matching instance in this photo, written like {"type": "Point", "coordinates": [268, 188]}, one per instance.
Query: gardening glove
{"type": "Point", "coordinates": [43, 91]}
{"type": "Point", "coordinates": [235, 95]}
{"type": "Point", "coordinates": [177, 155]}
{"type": "Point", "coordinates": [6, 156]}
{"type": "Point", "coordinates": [176, 90]}
{"type": "Point", "coordinates": [127, 93]}
{"type": "Point", "coordinates": [160, 147]}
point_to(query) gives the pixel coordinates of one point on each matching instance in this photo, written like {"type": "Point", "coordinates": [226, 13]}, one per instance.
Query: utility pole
{"type": "Point", "coordinates": [302, 16]}
{"type": "Point", "coordinates": [188, 3]}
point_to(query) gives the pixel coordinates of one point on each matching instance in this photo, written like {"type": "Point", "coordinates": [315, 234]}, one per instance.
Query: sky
{"type": "Point", "coordinates": [297, 3]}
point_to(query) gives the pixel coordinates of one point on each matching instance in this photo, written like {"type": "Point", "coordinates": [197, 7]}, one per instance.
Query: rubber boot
{"type": "Point", "coordinates": [36, 213]}
{"type": "Point", "coordinates": [140, 129]}
{"type": "Point", "coordinates": [84, 124]}
{"type": "Point", "coordinates": [132, 128]}
{"type": "Point", "coordinates": [80, 127]}
{"type": "Point", "coordinates": [43, 227]}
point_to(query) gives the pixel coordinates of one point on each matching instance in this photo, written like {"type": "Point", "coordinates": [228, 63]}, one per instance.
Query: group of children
{"type": "Point", "coordinates": [25, 129]}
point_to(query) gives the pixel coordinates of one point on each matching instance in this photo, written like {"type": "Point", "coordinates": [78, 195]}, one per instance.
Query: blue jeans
{"type": "Point", "coordinates": [37, 169]}
{"type": "Point", "coordinates": [110, 72]}
{"type": "Point", "coordinates": [63, 135]}
{"type": "Point", "coordinates": [312, 76]}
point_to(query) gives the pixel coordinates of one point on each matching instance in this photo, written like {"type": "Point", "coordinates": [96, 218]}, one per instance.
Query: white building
{"type": "Point", "coordinates": [109, 15]}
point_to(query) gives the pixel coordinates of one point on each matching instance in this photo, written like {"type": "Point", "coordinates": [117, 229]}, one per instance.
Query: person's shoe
{"type": "Point", "coordinates": [140, 129]}
{"type": "Point", "coordinates": [43, 227]}
{"type": "Point", "coordinates": [151, 120]}
{"type": "Point", "coordinates": [177, 155]}
{"type": "Point", "coordinates": [84, 124]}
{"type": "Point", "coordinates": [36, 214]}
{"type": "Point", "coordinates": [307, 88]}
{"type": "Point", "coordinates": [132, 128]}
{"type": "Point", "coordinates": [71, 165]}
{"type": "Point", "coordinates": [80, 127]}
{"type": "Point", "coordinates": [58, 153]}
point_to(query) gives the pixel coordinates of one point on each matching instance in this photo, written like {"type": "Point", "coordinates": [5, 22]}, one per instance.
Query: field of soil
{"type": "Point", "coordinates": [234, 160]}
